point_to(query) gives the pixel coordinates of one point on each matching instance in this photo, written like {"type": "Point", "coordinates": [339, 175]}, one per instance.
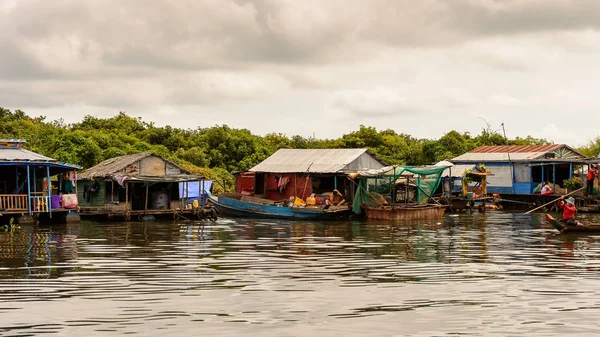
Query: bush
{"type": "Point", "coordinates": [573, 183]}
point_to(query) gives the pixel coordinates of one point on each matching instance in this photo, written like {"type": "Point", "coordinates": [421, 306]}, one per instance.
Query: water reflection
{"type": "Point", "coordinates": [495, 273]}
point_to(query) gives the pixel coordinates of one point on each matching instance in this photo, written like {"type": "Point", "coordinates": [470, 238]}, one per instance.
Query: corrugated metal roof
{"type": "Point", "coordinates": [114, 165]}
{"type": "Point", "coordinates": [10, 154]}
{"type": "Point", "coordinates": [21, 155]}
{"type": "Point", "coordinates": [519, 153]}
{"type": "Point", "coordinates": [518, 148]}
{"type": "Point", "coordinates": [311, 160]}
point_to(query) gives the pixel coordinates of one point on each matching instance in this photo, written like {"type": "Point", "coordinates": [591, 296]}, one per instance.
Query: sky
{"type": "Point", "coordinates": [311, 68]}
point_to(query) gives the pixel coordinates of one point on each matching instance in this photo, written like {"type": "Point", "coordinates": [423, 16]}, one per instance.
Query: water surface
{"type": "Point", "coordinates": [495, 274]}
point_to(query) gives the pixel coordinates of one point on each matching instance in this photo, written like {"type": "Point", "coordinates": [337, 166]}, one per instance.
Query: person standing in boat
{"type": "Point", "coordinates": [569, 209]}
{"type": "Point", "coordinates": [591, 175]}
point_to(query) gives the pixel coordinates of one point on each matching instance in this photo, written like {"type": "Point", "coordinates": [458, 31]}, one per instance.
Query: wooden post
{"type": "Point", "coordinates": [484, 185]}
{"type": "Point", "coordinates": [75, 182]}
{"type": "Point", "coordinates": [451, 187]}
{"type": "Point", "coordinates": [112, 191]}
{"type": "Point", "coordinates": [126, 195]}
{"type": "Point", "coordinates": [49, 190]}
{"type": "Point", "coordinates": [28, 191]}
{"type": "Point", "coordinates": [146, 203]}
{"type": "Point", "coordinates": [465, 187]}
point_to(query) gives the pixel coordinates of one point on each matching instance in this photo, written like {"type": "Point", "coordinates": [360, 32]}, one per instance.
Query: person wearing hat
{"type": "Point", "coordinates": [591, 175]}
{"type": "Point", "coordinates": [569, 210]}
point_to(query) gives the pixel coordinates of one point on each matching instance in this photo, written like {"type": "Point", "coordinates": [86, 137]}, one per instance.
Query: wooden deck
{"type": "Point", "coordinates": [206, 212]}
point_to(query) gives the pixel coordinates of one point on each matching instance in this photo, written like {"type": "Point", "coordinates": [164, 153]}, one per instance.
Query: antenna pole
{"type": "Point", "coordinates": [512, 166]}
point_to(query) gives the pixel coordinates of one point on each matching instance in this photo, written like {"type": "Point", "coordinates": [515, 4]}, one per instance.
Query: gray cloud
{"type": "Point", "coordinates": [337, 59]}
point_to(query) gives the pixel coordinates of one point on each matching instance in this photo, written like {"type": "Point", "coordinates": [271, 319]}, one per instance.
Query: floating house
{"type": "Point", "coordinates": [140, 185]}
{"type": "Point", "coordinates": [302, 172]}
{"type": "Point", "coordinates": [520, 169]}
{"type": "Point", "coordinates": [27, 191]}
{"type": "Point", "coordinates": [306, 177]}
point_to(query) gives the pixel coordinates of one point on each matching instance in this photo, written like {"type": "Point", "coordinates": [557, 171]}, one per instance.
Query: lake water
{"type": "Point", "coordinates": [495, 274]}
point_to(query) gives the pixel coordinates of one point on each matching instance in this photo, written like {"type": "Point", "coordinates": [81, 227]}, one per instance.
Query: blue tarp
{"type": "Point", "coordinates": [194, 190]}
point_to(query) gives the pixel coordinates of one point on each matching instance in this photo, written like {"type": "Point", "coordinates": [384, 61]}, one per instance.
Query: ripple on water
{"type": "Point", "coordinates": [495, 274]}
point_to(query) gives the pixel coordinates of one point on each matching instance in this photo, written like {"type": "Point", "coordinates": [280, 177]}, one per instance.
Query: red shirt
{"type": "Point", "coordinates": [568, 210]}
{"type": "Point", "coordinates": [592, 173]}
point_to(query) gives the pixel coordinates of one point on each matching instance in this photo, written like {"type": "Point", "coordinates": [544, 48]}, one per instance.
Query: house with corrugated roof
{"type": "Point", "coordinates": [302, 172]}
{"type": "Point", "coordinates": [138, 185]}
{"type": "Point", "coordinates": [520, 169]}
{"type": "Point", "coordinates": [27, 189]}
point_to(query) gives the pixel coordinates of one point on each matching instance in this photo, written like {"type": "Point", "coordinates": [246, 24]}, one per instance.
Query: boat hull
{"type": "Point", "coordinates": [584, 228]}
{"type": "Point", "coordinates": [240, 208]}
{"type": "Point", "coordinates": [424, 212]}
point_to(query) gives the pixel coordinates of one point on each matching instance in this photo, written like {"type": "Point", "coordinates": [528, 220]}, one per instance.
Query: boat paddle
{"type": "Point", "coordinates": [548, 203]}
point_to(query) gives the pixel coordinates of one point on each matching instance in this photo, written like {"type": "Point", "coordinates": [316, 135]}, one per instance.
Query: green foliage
{"type": "Point", "coordinates": [11, 226]}
{"type": "Point", "coordinates": [573, 183]}
{"type": "Point", "coordinates": [218, 150]}
{"type": "Point", "coordinates": [592, 148]}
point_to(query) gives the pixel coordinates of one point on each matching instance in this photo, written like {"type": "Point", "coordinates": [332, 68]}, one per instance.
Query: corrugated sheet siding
{"type": "Point", "coordinates": [502, 176]}
{"type": "Point", "coordinates": [364, 161]}
{"type": "Point", "coordinates": [522, 173]}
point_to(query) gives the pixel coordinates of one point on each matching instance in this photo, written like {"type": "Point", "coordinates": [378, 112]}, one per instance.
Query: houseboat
{"type": "Point", "coordinates": [519, 171]}
{"type": "Point", "coordinates": [297, 184]}
{"type": "Point", "coordinates": [141, 186]}
{"type": "Point", "coordinates": [34, 187]}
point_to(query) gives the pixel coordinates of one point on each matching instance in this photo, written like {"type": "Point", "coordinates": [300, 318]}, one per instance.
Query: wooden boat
{"type": "Point", "coordinates": [236, 204]}
{"type": "Point", "coordinates": [581, 228]}
{"type": "Point", "coordinates": [405, 212]}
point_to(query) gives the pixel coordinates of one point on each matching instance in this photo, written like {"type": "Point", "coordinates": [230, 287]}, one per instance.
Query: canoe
{"type": "Point", "coordinates": [237, 205]}
{"type": "Point", "coordinates": [581, 228]}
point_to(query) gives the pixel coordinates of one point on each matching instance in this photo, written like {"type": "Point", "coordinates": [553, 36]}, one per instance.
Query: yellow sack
{"type": "Point", "coordinates": [299, 202]}
{"type": "Point", "coordinates": [311, 200]}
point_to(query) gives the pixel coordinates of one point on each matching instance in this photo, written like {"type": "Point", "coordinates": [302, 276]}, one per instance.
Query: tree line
{"type": "Point", "coordinates": [215, 151]}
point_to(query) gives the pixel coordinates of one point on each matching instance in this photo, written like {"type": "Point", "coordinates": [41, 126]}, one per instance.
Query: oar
{"type": "Point", "coordinates": [548, 203]}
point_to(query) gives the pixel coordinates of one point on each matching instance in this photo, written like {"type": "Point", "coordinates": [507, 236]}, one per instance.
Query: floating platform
{"type": "Point", "coordinates": [199, 213]}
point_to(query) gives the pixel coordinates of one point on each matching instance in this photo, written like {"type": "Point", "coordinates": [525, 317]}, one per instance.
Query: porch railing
{"type": "Point", "coordinates": [40, 202]}
{"type": "Point", "coordinates": [13, 202]}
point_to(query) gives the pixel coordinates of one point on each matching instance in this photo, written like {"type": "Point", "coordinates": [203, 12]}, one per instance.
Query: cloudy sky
{"type": "Point", "coordinates": [306, 67]}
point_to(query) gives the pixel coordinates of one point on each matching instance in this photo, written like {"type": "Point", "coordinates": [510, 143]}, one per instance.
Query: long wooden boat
{"type": "Point", "coordinates": [238, 205]}
{"type": "Point", "coordinates": [581, 228]}
{"type": "Point", "coordinates": [405, 212]}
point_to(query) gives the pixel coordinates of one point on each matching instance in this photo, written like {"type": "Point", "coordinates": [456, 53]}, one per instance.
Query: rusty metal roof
{"type": "Point", "coordinates": [518, 148]}
{"type": "Point", "coordinates": [501, 153]}
{"type": "Point", "coordinates": [318, 161]}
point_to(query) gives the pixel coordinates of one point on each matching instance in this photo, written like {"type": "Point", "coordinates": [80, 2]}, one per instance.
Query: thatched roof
{"type": "Point", "coordinates": [114, 166]}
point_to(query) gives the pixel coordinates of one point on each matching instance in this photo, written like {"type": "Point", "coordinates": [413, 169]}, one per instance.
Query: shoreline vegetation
{"type": "Point", "coordinates": [215, 151]}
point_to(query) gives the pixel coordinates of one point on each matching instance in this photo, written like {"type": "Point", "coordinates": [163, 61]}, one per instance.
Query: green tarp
{"type": "Point", "coordinates": [375, 187]}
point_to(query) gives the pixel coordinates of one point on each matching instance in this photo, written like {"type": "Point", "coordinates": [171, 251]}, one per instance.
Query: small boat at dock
{"type": "Point", "coordinates": [236, 204]}
{"type": "Point", "coordinates": [581, 228]}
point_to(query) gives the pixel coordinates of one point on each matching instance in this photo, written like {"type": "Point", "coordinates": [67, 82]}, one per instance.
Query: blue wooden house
{"type": "Point", "coordinates": [26, 187]}
{"type": "Point", "coordinates": [520, 169]}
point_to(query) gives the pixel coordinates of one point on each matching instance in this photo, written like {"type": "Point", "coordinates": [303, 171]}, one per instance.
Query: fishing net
{"type": "Point", "coordinates": [396, 184]}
